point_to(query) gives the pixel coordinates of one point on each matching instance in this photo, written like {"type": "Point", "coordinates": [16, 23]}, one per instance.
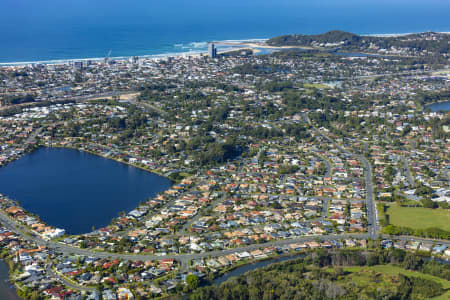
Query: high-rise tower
{"type": "Point", "coordinates": [212, 50]}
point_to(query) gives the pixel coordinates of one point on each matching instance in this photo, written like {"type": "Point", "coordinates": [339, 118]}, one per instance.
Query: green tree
{"type": "Point", "coordinates": [192, 281]}
{"type": "Point", "coordinates": [427, 203]}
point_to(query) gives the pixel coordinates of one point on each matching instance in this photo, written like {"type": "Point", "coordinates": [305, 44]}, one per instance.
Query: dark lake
{"type": "Point", "coordinates": [439, 106]}
{"type": "Point", "coordinates": [75, 190]}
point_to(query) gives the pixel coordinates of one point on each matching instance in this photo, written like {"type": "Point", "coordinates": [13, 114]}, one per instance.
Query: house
{"type": "Point", "coordinates": [243, 255]}
{"type": "Point", "coordinates": [53, 233]}
{"type": "Point", "coordinates": [195, 247]}
{"type": "Point", "coordinates": [93, 296]}
{"type": "Point", "coordinates": [124, 294]}
{"type": "Point", "coordinates": [425, 247]}
{"type": "Point", "coordinates": [223, 261]}
{"type": "Point", "coordinates": [108, 295]}
{"type": "Point", "coordinates": [258, 254]}
{"type": "Point", "coordinates": [447, 252]}
{"type": "Point", "coordinates": [213, 263]}
{"type": "Point", "coordinates": [439, 249]}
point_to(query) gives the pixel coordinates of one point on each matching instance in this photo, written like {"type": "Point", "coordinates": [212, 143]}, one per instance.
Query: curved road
{"type": "Point", "coordinates": [185, 258]}
{"type": "Point", "coordinates": [69, 250]}
{"type": "Point", "coordinates": [66, 282]}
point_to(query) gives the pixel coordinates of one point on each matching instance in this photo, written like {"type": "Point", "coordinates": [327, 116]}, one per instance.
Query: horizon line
{"type": "Point", "coordinates": [59, 61]}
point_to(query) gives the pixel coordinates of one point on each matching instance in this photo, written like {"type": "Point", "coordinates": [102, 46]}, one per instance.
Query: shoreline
{"type": "Point", "coordinates": [428, 106]}
{"type": "Point", "coordinates": [154, 172]}
{"type": "Point", "coordinates": [438, 102]}
{"type": "Point", "coordinates": [116, 160]}
{"type": "Point", "coordinates": [233, 45]}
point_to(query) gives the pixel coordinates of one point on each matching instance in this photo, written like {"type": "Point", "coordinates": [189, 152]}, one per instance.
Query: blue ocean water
{"type": "Point", "coordinates": [33, 30]}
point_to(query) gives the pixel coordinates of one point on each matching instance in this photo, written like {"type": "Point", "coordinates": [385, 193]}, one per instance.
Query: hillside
{"type": "Point", "coordinates": [335, 36]}
{"type": "Point", "coordinates": [411, 44]}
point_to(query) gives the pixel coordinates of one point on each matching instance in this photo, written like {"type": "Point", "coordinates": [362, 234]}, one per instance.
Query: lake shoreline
{"type": "Point", "coordinates": [436, 106]}
{"type": "Point", "coordinates": [116, 160]}
{"type": "Point", "coordinates": [111, 183]}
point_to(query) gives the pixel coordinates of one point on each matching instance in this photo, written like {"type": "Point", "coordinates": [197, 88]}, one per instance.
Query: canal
{"type": "Point", "coordinates": [253, 266]}
{"type": "Point", "coordinates": [7, 292]}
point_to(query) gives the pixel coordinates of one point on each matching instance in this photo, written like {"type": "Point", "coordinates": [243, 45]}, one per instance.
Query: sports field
{"type": "Point", "coordinates": [419, 217]}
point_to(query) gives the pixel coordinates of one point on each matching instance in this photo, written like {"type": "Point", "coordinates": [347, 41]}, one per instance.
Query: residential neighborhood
{"type": "Point", "coordinates": [268, 156]}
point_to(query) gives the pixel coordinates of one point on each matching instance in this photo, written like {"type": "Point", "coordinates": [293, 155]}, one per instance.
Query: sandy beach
{"type": "Point", "coordinates": [234, 45]}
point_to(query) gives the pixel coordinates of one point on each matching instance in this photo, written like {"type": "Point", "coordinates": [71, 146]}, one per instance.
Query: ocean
{"type": "Point", "coordinates": [46, 30]}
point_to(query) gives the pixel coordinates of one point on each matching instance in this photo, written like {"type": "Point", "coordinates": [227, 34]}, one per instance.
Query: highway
{"type": "Point", "coordinates": [70, 250]}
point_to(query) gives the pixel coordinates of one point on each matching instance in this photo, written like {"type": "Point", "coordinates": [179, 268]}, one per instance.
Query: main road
{"type": "Point", "coordinates": [370, 204]}
{"type": "Point", "coordinates": [184, 258]}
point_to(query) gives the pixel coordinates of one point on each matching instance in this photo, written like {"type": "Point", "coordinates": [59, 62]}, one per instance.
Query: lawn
{"type": "Point", "coordinates": [419, 217]}
{"type": "Point", "coordinates": [394, 270]}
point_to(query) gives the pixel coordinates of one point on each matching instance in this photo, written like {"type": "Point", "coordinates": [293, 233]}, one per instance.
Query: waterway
{"type": "Point", "coordinates": [253, 266]}
{"type": "Point", "coordinates": [7, 292]}
{"type": "Point", "coordinates": [440, 106]}
{"type": "Point", "coordinates": [261, 264]}
{"type": "Point", "coordinates": [75, 190]}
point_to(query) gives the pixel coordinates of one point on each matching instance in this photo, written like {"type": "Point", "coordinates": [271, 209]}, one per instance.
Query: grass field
{"type": "Point", "coordinates": [393, 270]}
{"type": "Point", "coordinates": [419, 217]}
{"type": "Point", "coordinates": [361, 275]}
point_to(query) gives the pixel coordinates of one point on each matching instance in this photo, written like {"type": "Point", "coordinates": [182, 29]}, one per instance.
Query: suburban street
{"type": "Point", "coordinates": [66, 282]}
{"type": "Point", "coordinates": [184, 258]}
{"type": "Point", "coordinates": [370, 204]}
{"type": "Point", "coordinates": [182, 168]}
{"type": "Point", "coordinates": [407, 172]}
